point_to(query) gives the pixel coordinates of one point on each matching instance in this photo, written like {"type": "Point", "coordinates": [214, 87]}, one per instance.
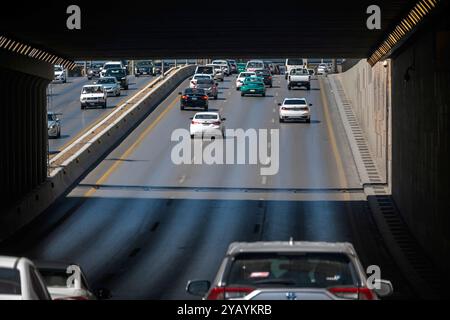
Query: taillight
{"type": "Point", "coordinates": [195, 122]}
{"type": "Point", "coordinates": [205, 97]}
{"type": "Point", "coordinates": [353, 293]}
{"type": "Point", "coordinates": [228, 293]}
{"type": "Point", "coordinates": [184, 97]}
{"type": "Point", "coordinates": [270, 78]}
{"type": "Point", "coordinates": [217, 123]}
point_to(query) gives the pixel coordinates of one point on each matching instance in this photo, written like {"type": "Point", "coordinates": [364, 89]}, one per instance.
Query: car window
{"type": "Point", "coordinates": [299, 72]}
{"type": "Point", "coordinates": [106, 80]}
{"type": "Point", "coordinates": [294, 102]}
{"type": "Point", "coordinates": [88, 90]}
{"type": "Point", "coordinates": [304, 270]}
{"type": "Point", "coordinates": [10, 281]}
{"type": "Point", "coordinates": [115, 72]}
{"type": "Point", "coordinates": [205, 81]}
{"type": "Point", "coordinates": [207, 70]}
{"type": "Point", "coordinates": [294, 62]}
{"type": "Point", "coordinates": [206, 117]}
{"type": "Point", "coordinates": [194, 91]}
{"type": "Point", "coordinates": [51, 117]}
{"type": "Point", "coordinates": [54, 278]}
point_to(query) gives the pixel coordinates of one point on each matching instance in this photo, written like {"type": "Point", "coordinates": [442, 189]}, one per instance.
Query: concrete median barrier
{"type": "Point", "coordinates": [78, 158]}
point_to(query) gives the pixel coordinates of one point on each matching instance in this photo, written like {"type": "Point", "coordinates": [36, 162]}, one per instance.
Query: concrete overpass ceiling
{"type": "Point", "coordinates": [204, 28]}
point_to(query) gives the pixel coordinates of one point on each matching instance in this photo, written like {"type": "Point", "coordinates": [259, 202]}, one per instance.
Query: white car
{"type": "Point", "coordinates": [53, 125]}
{"type": "Point", "coordinates": [56, 275]}
{"type": "Point", "coordinates": [93, 95]}
{"type": "Point", "coordinates": [253, 65]}
{"type": "Point", "coordinates": [110, 84]}
{"type": "Point", "coordinates": [59, 74]}
{"type": "Point", "coordinates": [322, 69]}
{"type": "Point", "coordinates": [241, 77]}
{"type": "Point", "coordinates": [199, 76]}
{"type": "Point", "coordinates": [111, 65]}
{"type": "Point", "coordinates": [207, 124]}
{"type": "Point", "coordinates": [224, 65]}
{"type": "Point", "coordinates": [295, 109]}
{"type": "Point", "coordinates": [20, 280]}
{"type": "Point", "coordinates": [219, 73]}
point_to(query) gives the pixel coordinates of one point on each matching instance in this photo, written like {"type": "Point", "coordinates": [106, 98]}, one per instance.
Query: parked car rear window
{"type": "Point", "coordinates": [207, 70]}
{"type": "Point", "coordinates": [10, 281]}
{"type": "Point", "coordinates": [304, 270]}
{"type": "Point", "coordinates": [194, 91]}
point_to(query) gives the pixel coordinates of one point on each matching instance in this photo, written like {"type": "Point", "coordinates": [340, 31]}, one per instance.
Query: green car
{"type": "Point", "coordinates": [253, 85]}
{"type": "Point", "coordinates": [241, 67]}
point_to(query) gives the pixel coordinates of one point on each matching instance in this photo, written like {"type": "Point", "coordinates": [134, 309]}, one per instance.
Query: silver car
{"type": "Point", "coordinates": [290, 271]}
{"type": "Point", "coordinates": [53, 125]}
{"type": "Point", "coordinates": [110, 84]}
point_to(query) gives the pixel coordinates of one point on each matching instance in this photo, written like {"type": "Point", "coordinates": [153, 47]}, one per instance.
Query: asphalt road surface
{"type": "Point", "coordinates": [64, 98]}
{"type": "Point", "coordinates": [142, 226]}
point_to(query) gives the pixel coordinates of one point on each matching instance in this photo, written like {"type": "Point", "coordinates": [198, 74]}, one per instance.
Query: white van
{"type": "Point", "coordinates": [292, 64]}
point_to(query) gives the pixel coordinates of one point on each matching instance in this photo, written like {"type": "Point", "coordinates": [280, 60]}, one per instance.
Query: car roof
{"type": "Point", "coordinates": [290, 99]}
{"type": "Point", "coordinates": [9, 262]}
{"type": "Point", "coordinates": [291, 246]}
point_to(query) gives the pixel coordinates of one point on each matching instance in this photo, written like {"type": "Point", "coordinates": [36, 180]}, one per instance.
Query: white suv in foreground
{"type": "Point", "coordinates": [290, 270]}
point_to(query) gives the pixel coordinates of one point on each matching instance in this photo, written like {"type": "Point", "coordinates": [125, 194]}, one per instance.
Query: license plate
{"type": "Point", "coordinates": [252, 90]}
{"type": "Point", "coordinates": [194, 99]}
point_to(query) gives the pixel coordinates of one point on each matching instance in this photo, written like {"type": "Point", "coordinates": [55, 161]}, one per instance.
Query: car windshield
{"type": "Point", "coordinates": [206, 117]}
{"type": "Point", "coordinates": [295, 62]}
{"type": "Point", "coordinates": [202, 77]}
{"type": "Point", "coordinates": [51, 117]}
{"type": "Point", "coordinates": [194, 91]}
{"type": "Point", "coordinates": [106, 80]}
{"type": "Point", "coordinates": [10, 281]}
{"type": "Point", "coordinates": [207, 70]}
{"type": "Point", "coordinates": [205, 82]}
{"type": "Point", "coordinates": [58, 68]}
{"type": "Point", "coordinates": [54, 278]}
{"type": "Point", "coordinates": [304, 270]}
{"type": "Point", "coordinates": [111, 66]}
{"type": "Point", "coordinates": [115, 73]}
{"type": "Point", "coordinates": [253, 80]}
{"type": "Point", "coordinates": [96, 89]}
{"type": "Point", "coordinates": [299, 71]}
{"type": "Point", "coordinates": [295, 102]}
{"type": "Point", "coordinates": [96, 65]}
{"type": "Point", "coordinates": [255, 65]}
{"type": "Point", "coordinates": [144, 64]}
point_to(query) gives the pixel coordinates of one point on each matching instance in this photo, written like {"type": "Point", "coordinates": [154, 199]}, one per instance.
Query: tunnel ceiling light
{"type": "Point", "coordinates": [403, 29]}
{"type": "Point", "coordinates": [34, 53]}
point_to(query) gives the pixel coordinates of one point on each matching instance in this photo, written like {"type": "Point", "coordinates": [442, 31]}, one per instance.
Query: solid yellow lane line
{"type": "Point", "coordinates": [131, 149]}
{"type": "Point", "coordinates": [334, 148]}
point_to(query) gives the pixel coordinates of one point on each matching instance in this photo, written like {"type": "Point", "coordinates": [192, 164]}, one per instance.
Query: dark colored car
{"type": "Point", "coordinates": [233, 65]}
{"type": "Point", "coordinates": [266, 75]}
{"type": "Point", "coordinates": [120, 75]}
{"type": "Point", "coordinates": [157, 67]}
{"type": "Point", "coordinates": [94, 70]}
{"type": "Point", "coordinates": [143, 68]}
{"type": "Point", "coordinates": [194, 98]}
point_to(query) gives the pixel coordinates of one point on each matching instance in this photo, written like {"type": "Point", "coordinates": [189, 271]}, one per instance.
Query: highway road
{"type": "Point", "coordinates": [64, 98]}
{"type": "Point", "coordinates": [142, 226]}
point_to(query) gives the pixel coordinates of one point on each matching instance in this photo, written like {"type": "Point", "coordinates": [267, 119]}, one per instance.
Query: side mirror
{"type": "Point", "coordinates": [310, 104]}
{"type": "Point", "coordinates": [224, 119]}
{"type": "Point", "coordinates": [217, 84]}
{"type": "Point", "coordinates": [279, 104]}
{"type": "Point", "coordinates": [385, 288]}
{"type": "Point", "coordinates": [102, 293]}
{"type": "Point", "coordinates": [192, 118]}
{"type": "Point", "coordinates": [179, 93]}
{"type": "Point", "coordinates": [198, 287]}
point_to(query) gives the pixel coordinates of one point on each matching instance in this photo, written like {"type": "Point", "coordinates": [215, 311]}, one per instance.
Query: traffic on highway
{"type": "Point", "coordinates": [240, 184]}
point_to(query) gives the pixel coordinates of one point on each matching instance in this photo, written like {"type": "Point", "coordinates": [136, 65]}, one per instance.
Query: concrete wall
{"type": "Point", "coordinates": [420, 138]}
{"type": "Point", "coordinates": [369, 91]}
{"type": "Point", "coordinates": [23, 125]}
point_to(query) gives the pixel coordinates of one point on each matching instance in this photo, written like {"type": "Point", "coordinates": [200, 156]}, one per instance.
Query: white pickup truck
{"type": "Point", "coordinates": [299, 77]}
{"type": "Point", "coordinates": [20, 280]}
